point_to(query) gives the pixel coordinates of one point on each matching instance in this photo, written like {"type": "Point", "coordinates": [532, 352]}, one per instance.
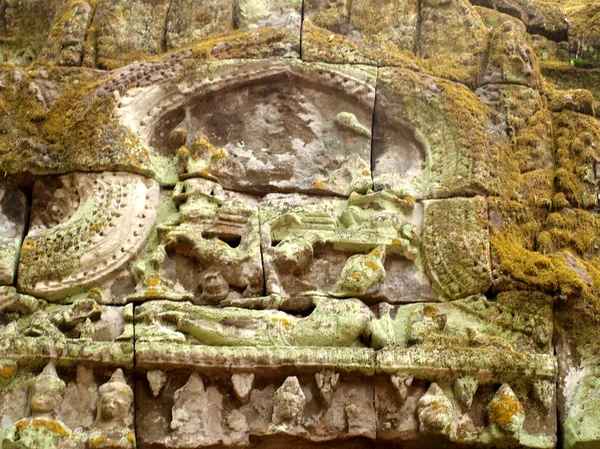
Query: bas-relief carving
{"type": "Point", "coordinates": [292, 315]}
{"type": "Point", "coordinates": [32, 329]}
{"type": "Point", "coordinates": [58, 418]}
{"type": "Point", "coordinates": [209, 250]}
{"type": "Point", "coordinates": [81, 398]}
{"type": "Point", "coordinates": [84, 229]}
{"type": "Point", "coordinates": [487, 363]}
{"type": "Point", "coordinates": [265, 126]}
{"type": "Point", "coordinates": [220, 364]}
{"type": "Point", "coordinates": [367, 246]}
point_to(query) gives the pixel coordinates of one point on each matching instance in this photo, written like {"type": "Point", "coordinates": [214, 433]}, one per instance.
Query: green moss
{"type": "Point", "coordinates": [78, 131]}
{"type": "Point", "coordinates": [529, 268]}
{"type": "Point", "coordinates": [562, 260]}
{"type": "Point", "coordinates": [577, 139]}
{"type": "Point", "coordinates": [321, 44]}
{"type": "Point", "coordinates": [453, 40]}
{"type": "Point", "coordinates": [242, 45]}
{"type": "Point", "coordinates": [463, 159]}
{"type": "Point", "coordinates": [563, 76]}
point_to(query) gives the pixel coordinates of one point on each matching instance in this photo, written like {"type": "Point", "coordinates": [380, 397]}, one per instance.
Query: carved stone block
{"type": "Point", "coordinates": [206, 247]}
{"type": "Point", "coordinates": [188, 22]}
{"type": "Point", "coordinates": [449, 376]}
{"type": "Point", "coordinates": [359, 27]}
{"type": "Point", "coordinates": [367, 247]}
{"type": "Point", "coordinates": [65, 374]}
{"type": "Point", "coordinates": [200, 409]}
{"type": "Point", "coordinates": [456, 246]}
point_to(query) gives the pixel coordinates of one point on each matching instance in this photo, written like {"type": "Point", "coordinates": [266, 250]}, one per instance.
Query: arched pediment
{"type": "Point", "coordinates": [267, 126]}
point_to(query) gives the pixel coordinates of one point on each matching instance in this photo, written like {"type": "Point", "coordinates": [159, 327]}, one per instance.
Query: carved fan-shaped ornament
{"type": "Point", "coordinates": [109, 216]}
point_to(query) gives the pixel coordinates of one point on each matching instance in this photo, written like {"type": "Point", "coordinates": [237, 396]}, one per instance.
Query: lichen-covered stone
{"type": "Point", "coordinates": [398, 254]}
{"type": "Point", "coordinates": [539, 16]}
{"type": "Point", "coordinates": [455, 129]}
{"type": "Point", "coordinates": [123, 32]}
{"type": "Point", "coordinates": [189, 22]}
{"type": "Point", "coordinates": [364, 31]}
{"type": "Point", "coordinates": [24, 28]}
{"type": "Point", "coordinates": [366, 247]}
{"type": "Point", "coordinates": [511, 60]}
{"type": "Point", "coordinates": [64, 45]}
{"type": "Point", "coordinates": [209, 250]}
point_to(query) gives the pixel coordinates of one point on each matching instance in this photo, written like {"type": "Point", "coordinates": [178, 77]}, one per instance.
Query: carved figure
{"type": "Point", "coordinates": [331, 323]}
{"type": "Point", "coordinates": [42, 430]}
{"type": "Point", "coordinates": [221, 234]}
{"type": "Point", "coordinates": [115, 399]}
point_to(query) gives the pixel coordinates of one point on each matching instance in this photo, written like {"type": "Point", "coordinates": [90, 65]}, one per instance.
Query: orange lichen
{"type": "Point", "coordinates": [7, 371]}
{"type": "Point", "coordinates": [504, 410]}
{"type": "Point", "coordinates": [52, 426]}
{"type": "Point", "coordinates": [373, 266]}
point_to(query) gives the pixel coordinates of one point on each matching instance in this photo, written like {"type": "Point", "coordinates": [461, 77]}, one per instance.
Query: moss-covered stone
{"type": "Point", "coordinates": [125, 31]}
{"type": "Point", "coordinates": [64, 45]}
{"type": "Point", "coordinates": [375, 32]}
{"type": "Point", "coordinates": [455, 246]}
{"type": "Point", "coordinates": [24, 28]}
{"type": "Point", "coordinates": [60, 121]}
{"type": "Point", "coordinates": [453, 39]}
{"type": "Point", "coordinates": [565, 77]}
{"type": "Point", "coordinates": [577, 139]}
{"type": "Point", "coordinates": [511, 60]}
{"type": "Point", "coordinates": [456, 130]}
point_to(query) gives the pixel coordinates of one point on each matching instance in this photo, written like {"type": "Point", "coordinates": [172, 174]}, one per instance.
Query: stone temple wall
{"type": "Point", "coordinates": [299, 224]}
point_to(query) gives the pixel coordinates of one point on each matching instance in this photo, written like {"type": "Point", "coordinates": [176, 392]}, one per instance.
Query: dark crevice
{"type": "Point", "coordinates": [301, 27]}
{"type": "Point", "coordinates": [164, 42]}
{"type": "Point", "coordinates": [29, 196]}
{"type": "Point", "coordinates": [235, 15]}
{"type": "Point", "coordinates": [134, 374]}
{"type": "Point", "coordinates": [85, 36]}
{"type": "Point", "coordinates": [417, 47]}
{"type": "Point", "coordinates": [373, 124]}
{"type": "Point", "coordinates": [262, 259]}
{"type": "Point", "coordinates": [484, 61]}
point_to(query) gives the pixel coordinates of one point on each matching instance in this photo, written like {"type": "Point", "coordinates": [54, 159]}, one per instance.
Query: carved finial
{"type": "Point", "coordinates": [327, 381]}
{"type": "Point", "coordinates": [465, 389]}
{"type": "Point", "coordinates": [505, 412]}
{"type": "Point", "coordinates": [115, 399]}
{"type": "Point", "coordinates": [242, 386]}
{"type": "Point", "coordinates": [156, 380]}
{"type": "Point", "coordinates": [435, 411]}
{"type": "Point", "coordinates": [402, 384]}
{"type": "Point", "coordinates": [289, 402]}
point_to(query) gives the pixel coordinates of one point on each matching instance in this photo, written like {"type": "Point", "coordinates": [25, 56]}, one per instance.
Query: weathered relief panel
{"type": "Point", "coordinates": [267, 224]}
{"type": "Point", "coordinates": [66, 373]}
